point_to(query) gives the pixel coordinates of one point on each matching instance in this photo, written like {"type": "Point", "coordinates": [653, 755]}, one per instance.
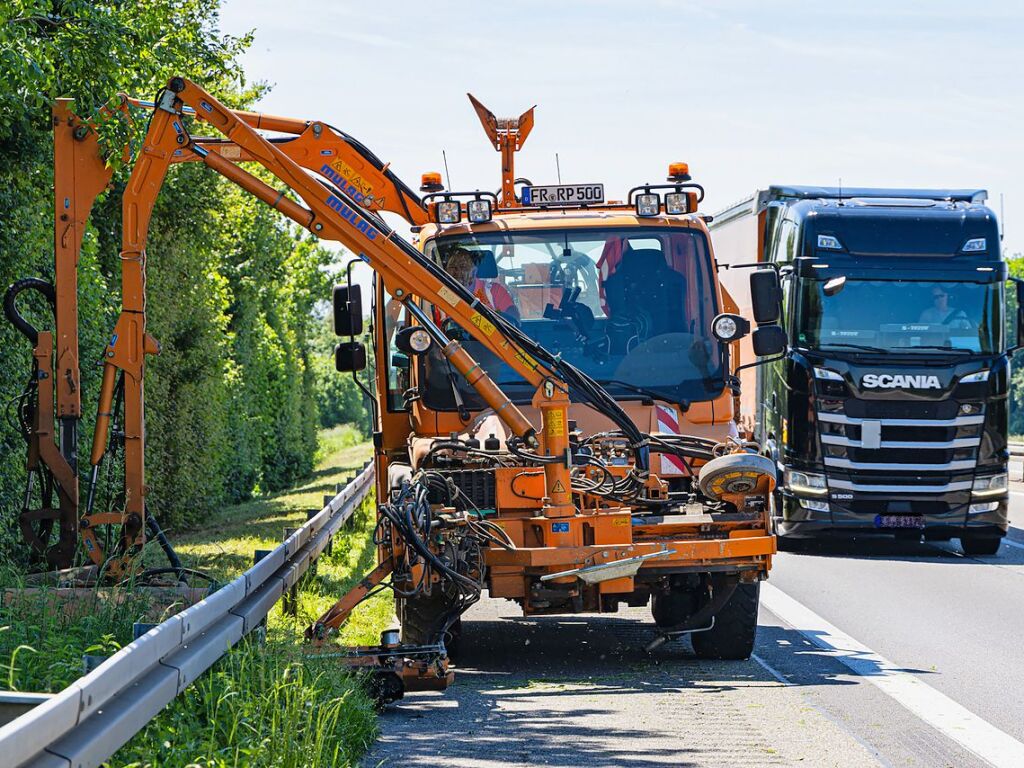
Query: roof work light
{"type": "Point", "coordinates": [677, 202]}
{"type": "Point", "coordinates": [478, 211]}
{"type": "Point", "coordinates": [648, 204]}
{"type": "Point", "coordinates": [448, 212]}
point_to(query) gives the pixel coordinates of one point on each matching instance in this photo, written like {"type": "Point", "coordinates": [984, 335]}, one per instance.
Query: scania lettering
{"type": "Point", "coordinates": [888, 413]}
{"type": "Point", "coordinates": [885, 381]}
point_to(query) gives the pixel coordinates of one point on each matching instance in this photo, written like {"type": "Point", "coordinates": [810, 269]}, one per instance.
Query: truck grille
{"type": "Point", "coordinates": [899, 446]}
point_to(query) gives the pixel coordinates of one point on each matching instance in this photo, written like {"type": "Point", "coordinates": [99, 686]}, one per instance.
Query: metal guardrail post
{"type": "Point", "coordinates": [91, 661]}
{"type": "Point", "coordinates": [290, 599]}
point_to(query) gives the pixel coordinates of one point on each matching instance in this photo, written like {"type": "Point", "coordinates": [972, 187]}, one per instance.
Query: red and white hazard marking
{"type": "Point", "coordinates": [668, 422]}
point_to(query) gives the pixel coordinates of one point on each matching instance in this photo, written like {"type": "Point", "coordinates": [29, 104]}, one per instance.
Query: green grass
{"type": "Point", "coordinates": [261, 705]}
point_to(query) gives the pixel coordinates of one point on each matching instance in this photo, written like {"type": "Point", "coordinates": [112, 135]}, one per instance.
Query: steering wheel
{"type": "Point", "coordinates": [576, 271]}
{"type": "Point", "coordinates": [957, 319]}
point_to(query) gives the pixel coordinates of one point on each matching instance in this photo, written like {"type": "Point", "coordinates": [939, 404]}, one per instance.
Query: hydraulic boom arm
{"type": "Point", "coordinates": [331, 212]}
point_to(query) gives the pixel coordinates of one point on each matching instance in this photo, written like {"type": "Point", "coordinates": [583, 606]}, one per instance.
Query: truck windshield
{"type": "Point", "coordinates": [626, 305]}
{"type": "Point", "coordinates": [901, 315]}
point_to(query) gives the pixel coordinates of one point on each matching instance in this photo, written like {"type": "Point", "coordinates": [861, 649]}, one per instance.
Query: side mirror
{"type": "Point", "coordinates": [769, 340]}
{"type": "Point", "coordinates": [350, 357]}
{"type": "Point", "coordinates": [348, 310]}
{"type": "Point", "coordinates": [1019, 283]}
{"type": "Point", "coordinates": [728, 328]}
{"type": "Point", "coordinates": [413, 340]}
{"type": "Point", "coordinates": [834, 286]}
{"type": "Point", "coordinates": [765, 296]}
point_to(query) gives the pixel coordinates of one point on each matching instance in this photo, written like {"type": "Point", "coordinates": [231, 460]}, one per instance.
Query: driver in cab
{"type": "Point", "coordinates": [465, 266]}
{"type": "Point", "coordinates": [940, 313]}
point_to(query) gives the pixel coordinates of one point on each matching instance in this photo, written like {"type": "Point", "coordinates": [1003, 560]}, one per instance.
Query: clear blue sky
{"type": "Point", "coordinates": [749, 93]}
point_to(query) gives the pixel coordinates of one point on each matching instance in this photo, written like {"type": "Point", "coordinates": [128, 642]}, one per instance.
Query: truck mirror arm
{"type": "Point", "coordinates": [762, 361]}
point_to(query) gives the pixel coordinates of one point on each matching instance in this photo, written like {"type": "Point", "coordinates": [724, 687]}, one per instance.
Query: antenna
{"type": "Point", "coordinates": [558, 168]}
{"type": "Point", "coordinates": [840, 190]}
{"type": "Point", "coordinates": [447, 177]}
{"type": "Point", "coordinates": [1002, 219]}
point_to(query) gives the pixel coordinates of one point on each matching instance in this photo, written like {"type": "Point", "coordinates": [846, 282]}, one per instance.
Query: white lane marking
{"type": "Point", "coordinates": [771, 670]}
{"type": "Point", "coordinates": [935, 708]}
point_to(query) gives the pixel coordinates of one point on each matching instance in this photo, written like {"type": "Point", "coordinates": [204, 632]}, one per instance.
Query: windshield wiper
{"type": "Point", "coordinates": [865, 347]}
{"type": "Point", "coordinates": [944, 349]}
{"type": "Point", "coordinates": [650, 393]}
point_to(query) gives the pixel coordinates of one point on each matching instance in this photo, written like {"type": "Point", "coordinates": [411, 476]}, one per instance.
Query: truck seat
{"type": "Point", "coordinates": [645, 287]}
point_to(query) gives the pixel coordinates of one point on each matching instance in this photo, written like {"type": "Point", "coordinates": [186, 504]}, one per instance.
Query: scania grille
{"type": "Point", "coordinates": [899, 446]}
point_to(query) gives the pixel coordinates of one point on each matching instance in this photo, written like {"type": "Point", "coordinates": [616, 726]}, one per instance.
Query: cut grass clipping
{"type": "Point", "coordinates": [261, 705]}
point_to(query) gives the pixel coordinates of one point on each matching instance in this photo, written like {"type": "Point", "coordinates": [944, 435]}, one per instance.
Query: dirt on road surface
{"type": "Point", "coordinates": [582, 691]}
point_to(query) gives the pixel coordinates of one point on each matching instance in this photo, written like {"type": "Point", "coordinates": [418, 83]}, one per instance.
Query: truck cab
{"type": "Point", "coordinates": [888, 415]}
{"type": "Point", "coordinates": [625, 292]}
{"type": "Point", "coordinates": [628, 300]}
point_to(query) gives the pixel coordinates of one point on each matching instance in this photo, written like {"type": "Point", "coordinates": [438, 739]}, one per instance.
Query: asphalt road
{"type": "Point", "coordinates": [871, 654]}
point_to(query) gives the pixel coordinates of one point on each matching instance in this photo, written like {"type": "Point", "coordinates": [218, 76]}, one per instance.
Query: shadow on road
{"type": "Point", "coordinates": [880, 548]}
{"type": "Point", "coordinates": [811, 664]}
{"type": "Point", "coordinates": [582, 691]}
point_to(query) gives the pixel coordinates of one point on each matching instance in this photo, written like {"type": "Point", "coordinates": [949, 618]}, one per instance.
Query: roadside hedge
{"type": "Point", "coordinates": [235, 294]}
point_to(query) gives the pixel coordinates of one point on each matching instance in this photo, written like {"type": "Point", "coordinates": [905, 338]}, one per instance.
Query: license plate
{"type": "Point", "coordinates": [899, 521]}
{"type": "Point", "coordinates": [564, 194]}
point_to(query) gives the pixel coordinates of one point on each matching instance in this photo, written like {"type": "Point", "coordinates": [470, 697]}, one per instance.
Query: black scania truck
{"type": "Point", "coordinates": [888, 413]}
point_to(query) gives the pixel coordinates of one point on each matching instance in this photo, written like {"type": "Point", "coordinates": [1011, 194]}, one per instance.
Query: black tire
{"type": "Point", "coordinates": [735, 628]}
{"type": "Point", "coordinates": [672, 608]}
{"type": "Point", "coordinates": [422, 618]}
{"type": "Point", "coordinates": [980, 545]}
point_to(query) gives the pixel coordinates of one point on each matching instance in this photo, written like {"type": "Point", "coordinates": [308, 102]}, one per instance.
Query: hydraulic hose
{"type": "Point", "coordinates": [11, 308]}
{"type": "Point", "coordinates": [157, 533]}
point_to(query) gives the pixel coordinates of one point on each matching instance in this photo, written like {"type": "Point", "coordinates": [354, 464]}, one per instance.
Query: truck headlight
{"type": "Point", "coordinates": [810, 483]}
{"type": "Point", "coordinates": [827, 374]}
{"type": "Point", "coordinates": [975, 378]}
{"type": "Point", "coordinates": [987, 506]}
{"type": "Point", "coordinates": [994, 485]}
{"type": "Point", "coordinates": [815, 505]}
{"type": "Point", "coordinates": [727, 328]}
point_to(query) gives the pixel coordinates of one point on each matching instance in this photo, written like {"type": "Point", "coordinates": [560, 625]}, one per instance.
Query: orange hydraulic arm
{"type": "Point", "coordinates": [55, 406]}
{"type": "Point", "coordinates": [332, 214]}
{"type": "Point", "coordinates": [326, 151]}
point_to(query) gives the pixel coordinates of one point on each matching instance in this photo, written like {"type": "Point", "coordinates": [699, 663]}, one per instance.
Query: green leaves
{"type": "Point", "coordinates": [232, 399]}
{"type": "Point", "coordinates": [89, 51]}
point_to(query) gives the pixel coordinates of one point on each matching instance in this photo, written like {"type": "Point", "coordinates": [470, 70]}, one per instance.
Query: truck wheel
{"type": "Point", "coordinates": [422, 617]}
{"type": "Point", "coordinates": [732, 637]}
{"type": "Point", "coordinates": [980, 545]}
{"type": "Point", "coordinates": [673, 607]}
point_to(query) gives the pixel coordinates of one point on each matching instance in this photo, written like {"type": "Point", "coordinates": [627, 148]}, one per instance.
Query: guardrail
{"type": "Point", "coordinates": [89, 720]}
